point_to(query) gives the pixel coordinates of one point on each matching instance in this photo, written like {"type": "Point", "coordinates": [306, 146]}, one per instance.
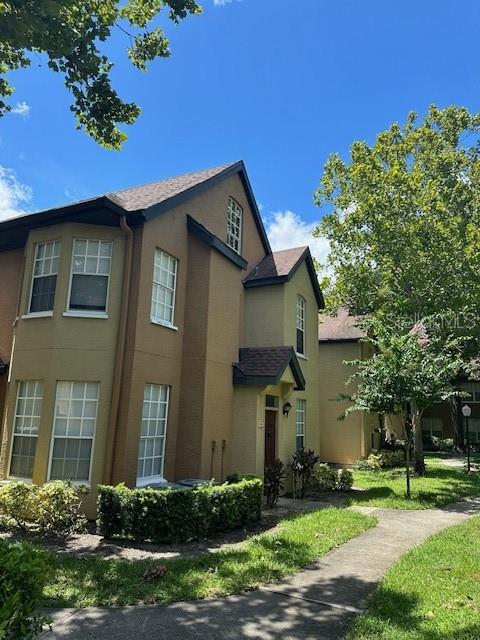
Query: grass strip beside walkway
{"type": "Point", "coordinates": [298, 541]}
{"type": "Point", "coordinates": [440, 486]}
{"type": "Point", "coordinates": [432, 593]}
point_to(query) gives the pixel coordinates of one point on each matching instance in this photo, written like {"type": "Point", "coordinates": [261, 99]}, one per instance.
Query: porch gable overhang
{"type": "Point", "coordinates": [264, 366]}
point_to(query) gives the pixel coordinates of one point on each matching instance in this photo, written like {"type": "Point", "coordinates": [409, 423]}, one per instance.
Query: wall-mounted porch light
{"type": "Point", "coordinates": [286, 408]}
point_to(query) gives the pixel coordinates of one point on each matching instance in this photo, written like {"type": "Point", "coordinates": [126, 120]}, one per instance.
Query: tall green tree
{"type": "Point", "coordinates": [403, 221]}
{"type": "Point", "coordinates": [71, 33]}
{"type": "Point", "coordinates": [407, 373]}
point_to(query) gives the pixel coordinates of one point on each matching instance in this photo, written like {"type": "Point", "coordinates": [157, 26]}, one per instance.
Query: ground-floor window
{"type": "Point", "coordinates": [74, 430]}
{"type": "Point", "coordinates": [28, 410]}
{"type": "Point", "coordinates": [474, 429]}
{"type": "Point", "coordinates": [152, 436]}
{"type": "Point", "coordinates": [432, 427]}
{"type": "Point", "coordinates": [301, 407]}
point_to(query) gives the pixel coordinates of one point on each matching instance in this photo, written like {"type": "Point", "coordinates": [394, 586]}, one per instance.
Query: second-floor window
{"type": "Point", "coordinates": [164, 286]}
{"type": "Point", "coordinates": [90, 275]}
{"type": "Point", "coordinates": [300, 324]}
{"type": "Point", "coordinates": [234, 225]}
{"type": "Point", "coordinates": [44, 280]}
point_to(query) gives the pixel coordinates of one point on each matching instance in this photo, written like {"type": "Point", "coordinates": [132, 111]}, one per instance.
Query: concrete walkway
{"type": "Point", "coordinates": [318, 603]}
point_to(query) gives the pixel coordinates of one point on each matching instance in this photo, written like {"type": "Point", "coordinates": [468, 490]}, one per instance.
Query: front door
{"type": "Point", "coordinates": [270, 437]}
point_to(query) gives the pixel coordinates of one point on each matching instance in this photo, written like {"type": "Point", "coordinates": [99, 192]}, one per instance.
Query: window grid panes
{"type": "Point", "coordinates": [234, 225]}
{"type": "Point", "coordinates": [44, 281]}
{"type": "Point", "coordinates": [301, 406]}
{"type": "Point", "coordinates": [473, 388]}
{"type": "Point", "coordinates": [474, 430]}
{"type": "Point", "coordinates": [153, 430]}
{"type": "Point", "coordinates": [432, 426]}
{"type": "Point", "coordinates": [300, 324]}
{"type": "Point", "coordinates": [90, 273]}
{"type": "Point", "coordinates": [25, 429]}
{"type": "Point", "coordinates": [74, 429]}
{"type": "Point", "coordinates": [163, 290]}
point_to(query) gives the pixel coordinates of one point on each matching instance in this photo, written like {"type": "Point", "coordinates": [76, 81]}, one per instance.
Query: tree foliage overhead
{"type": "Point", "coordinates": [70, 33]}
{"type": "Point", "coordinates": [403, 220]}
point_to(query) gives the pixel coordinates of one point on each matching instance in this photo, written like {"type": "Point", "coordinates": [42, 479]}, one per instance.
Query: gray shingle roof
{"type": "Point", "coordinates": [265, 365]}
{"type": "Point", "coordinates": [340, 328]}
{"type": "Point", "coordinates": [278, 264]}
{"type": "Point", "coordinates": [147, 195]}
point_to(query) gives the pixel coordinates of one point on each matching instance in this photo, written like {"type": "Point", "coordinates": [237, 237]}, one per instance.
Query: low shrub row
{"type": "Point", "coordinates": [24, 571]}
{"type": "Point", "coordinates": [168, 515]}
{"type": "Point", "coordinates": [333, 479]}
{"type": "Point", "coordinates": [53, 508]}
{"type": "Point", "coordinates": [432, 443]}
{"type": "Point", "coordinates": [381, 460]}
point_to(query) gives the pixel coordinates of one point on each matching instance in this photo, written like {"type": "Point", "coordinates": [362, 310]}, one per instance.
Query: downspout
{"type": "Point", "coordinates": [119, 353]}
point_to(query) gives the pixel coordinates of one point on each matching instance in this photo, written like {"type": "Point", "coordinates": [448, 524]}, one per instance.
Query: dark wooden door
{"type": "Point", "coordinates": [270, 437]}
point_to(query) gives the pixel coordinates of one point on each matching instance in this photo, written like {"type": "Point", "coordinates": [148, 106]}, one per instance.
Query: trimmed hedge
{"type": "Point", "coordinates": [53, 508]}
{"type": "Point", "coordinates": [168, 515]}
{"type": "Point", "coordinates": [24, 570]}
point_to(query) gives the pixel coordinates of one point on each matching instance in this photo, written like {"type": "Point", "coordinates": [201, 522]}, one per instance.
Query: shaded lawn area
{"type": "Point", "coordinates": [299, 540]}
{"type": "Point", "coordinates": [441, 485]}
{"type": "Point", "coordinates": [432, 593]}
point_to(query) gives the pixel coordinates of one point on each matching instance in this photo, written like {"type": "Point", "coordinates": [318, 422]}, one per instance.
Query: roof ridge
{"type": "Point", "coordinates": [219, 168]}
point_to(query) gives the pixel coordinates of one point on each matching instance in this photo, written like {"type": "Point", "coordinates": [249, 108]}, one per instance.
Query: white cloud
{"type": "Point", "coordinates": [12, 194]}
{"type": "Point", "coordinates": [286, 229]}
{"type": "Point", "coordinates": [21, 109]}
{"type": "Point", "coordinates": [222, 3]}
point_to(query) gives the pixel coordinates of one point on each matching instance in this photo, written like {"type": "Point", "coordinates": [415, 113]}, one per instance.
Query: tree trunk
{"type": "Point", "coordinates": [415, 415]}
{"type": "Point", "coordinates": [408, 444]}
{"type": "Point", "coordinates": [455, 405]}
{"type": "Point", "coordinates": [407, 465]}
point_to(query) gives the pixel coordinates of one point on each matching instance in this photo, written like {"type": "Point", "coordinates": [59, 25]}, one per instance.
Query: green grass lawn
{"type": "Point", "coordinates": [432, 593]}
{"type": "Point", "coordinates": [96, 581]}
{"type": "Point", "coordinates": [440, 486]}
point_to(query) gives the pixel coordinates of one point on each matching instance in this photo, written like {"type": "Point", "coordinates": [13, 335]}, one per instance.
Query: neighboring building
{"type": "Point", "coordinates": [342, 441]}
{"type": "Point", "coordinates": [151, 334]}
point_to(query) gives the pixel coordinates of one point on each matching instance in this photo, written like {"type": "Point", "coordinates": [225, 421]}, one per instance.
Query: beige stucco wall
{"type": "Point", "coordinates": [270, 320]}
{"type": "Point", "coordinates": [196, 358]}
{"type": "Point", "coordinates": [11, 266]}
{"type": "Point", "coordinates": [65, 348]}
{"type": "Point", "coordinates": [341, 441]}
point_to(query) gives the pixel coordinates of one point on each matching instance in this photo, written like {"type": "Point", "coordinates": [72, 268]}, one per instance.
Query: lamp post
{"type": "Point", "coordinates": [467, 411]}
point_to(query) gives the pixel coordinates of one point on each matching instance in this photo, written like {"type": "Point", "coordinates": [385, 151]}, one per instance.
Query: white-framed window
{"type": "Point", "coordinates": [44, 277]}
{"type": "Point", "coordinates": [432, 426]}
{"type": "Point", "coordinates": [28, 411]}
{"type": "Point", "coordinates": [234, 225]}
{"type": "Point", "coordinates": [300, 416]}
{"type": "Point", "coordinates": [300, 324]}
{"type": "Point", "coordinates": [271, 402]}
{"type": "Point", "coordinates": [151, 453]}
{"type": "Point", "coordinates": [73, 435]}
{"type": "Point", "coordinates": [91, 263]}
{"type": "Point", "coordinates": [473, 430]}
{"type": "Point", "coordinates": [473, 388]}
{"type": "Point", "coordinates": [164, 287]}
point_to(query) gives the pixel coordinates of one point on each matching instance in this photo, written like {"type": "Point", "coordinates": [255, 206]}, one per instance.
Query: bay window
{"type": "Point", "coordinates": [74, 430]}
{"type": "Point", "coordinates": [91, 264]}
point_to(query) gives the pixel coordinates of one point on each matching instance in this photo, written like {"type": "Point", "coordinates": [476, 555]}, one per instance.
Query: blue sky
{"type": "Point", "coordinates": [280, 84]}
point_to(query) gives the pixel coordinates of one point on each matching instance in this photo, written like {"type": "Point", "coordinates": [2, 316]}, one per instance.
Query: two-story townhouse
{"type": "Point", "coordinates": [145, 333]}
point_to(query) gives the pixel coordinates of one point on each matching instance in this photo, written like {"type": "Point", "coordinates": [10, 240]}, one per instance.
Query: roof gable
{"type": "Point", "coordinates": [266, 365]}
{"type": "Point", "coordinates": [138, 204]}
{"type": "Point", "coordinates": [280, 267]}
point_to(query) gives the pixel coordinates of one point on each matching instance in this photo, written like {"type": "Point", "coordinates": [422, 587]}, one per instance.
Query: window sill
{"type": "Point", "coordinates": [164, 324]}
{"type": "Point", "coordinates": [300, 355]}
{"type": "Point", "coordinates": [75, 483]}
{"type": "Point", "coordinates": [38, 314]}
{"type": "Point", "coordinates": [85, 314]}
{"type": "Point", "coordinates": [145, 482]}
{"type": "Point", "coordinates": [11, 479]}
